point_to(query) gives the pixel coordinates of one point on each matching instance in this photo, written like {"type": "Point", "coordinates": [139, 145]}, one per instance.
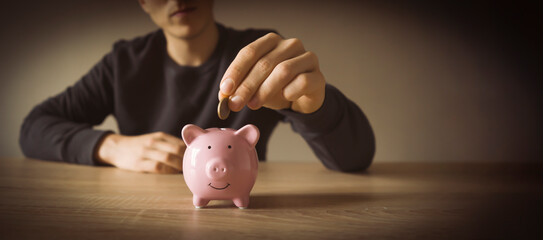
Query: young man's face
{"type": "Point", "coordinates": [184, 19]}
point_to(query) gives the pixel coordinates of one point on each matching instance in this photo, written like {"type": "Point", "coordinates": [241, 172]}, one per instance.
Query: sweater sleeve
{"type": "Point", "coordinates": [338, 133]}
{"type": "Point", "coordinates": [60, 128]}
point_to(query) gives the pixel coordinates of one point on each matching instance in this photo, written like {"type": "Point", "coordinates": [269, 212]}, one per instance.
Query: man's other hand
{"type": "Point", "coordinates": [154, 152]}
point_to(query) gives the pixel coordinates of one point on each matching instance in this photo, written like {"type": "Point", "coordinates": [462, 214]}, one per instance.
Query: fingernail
{"type": "Point", "coordinates": [227, 86]}
{"type": "Point", "coordinates": [236, 102]}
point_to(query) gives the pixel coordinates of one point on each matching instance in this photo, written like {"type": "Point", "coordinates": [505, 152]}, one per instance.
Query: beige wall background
{"type": "Point", "coordinates": [435, 86]}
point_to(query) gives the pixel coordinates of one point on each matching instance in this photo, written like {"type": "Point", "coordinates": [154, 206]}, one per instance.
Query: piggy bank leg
{"type": "Point", "coordinates": [199, 202]}
{"type": "Point", "coordinates": [241, 202]}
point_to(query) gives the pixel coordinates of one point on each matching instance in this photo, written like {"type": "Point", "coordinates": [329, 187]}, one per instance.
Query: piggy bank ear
{"type": "Point", "coordinates": [190, 132]}
{"type": "Point", "coordinates": [250, 133]}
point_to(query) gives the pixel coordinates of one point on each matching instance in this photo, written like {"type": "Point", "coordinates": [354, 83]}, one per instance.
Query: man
{"type": "Point", "coordinates": [157, 83]}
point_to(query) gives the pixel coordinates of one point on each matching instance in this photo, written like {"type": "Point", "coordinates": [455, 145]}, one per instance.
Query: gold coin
{"type": "Point", "coordinates": [223, 110]}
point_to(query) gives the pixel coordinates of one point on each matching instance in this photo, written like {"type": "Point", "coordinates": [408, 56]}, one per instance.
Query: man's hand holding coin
{"type": "Point", "coordinates": [275, 73]}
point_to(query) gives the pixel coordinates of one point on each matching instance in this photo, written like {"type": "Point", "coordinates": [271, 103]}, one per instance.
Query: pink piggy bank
{"type": "Point", "coordinates": [220, 164]}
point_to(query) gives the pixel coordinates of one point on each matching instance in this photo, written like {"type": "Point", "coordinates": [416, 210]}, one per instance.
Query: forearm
{"type": "Point", "coordinates": [61, 127]}
{"type": "Point", "coordinates": [338, 133]}
{"type": "Point", "coordinates": [50, 137]}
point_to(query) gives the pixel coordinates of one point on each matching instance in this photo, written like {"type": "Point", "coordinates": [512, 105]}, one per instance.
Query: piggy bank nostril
{"type": "Point", "coordinates": [224, 170]}
{"type": "Point", "coordinates": [216, 169]}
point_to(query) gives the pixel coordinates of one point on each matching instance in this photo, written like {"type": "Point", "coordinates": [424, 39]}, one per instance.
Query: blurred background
{"type": "Point", "coordinates": [444, 81]}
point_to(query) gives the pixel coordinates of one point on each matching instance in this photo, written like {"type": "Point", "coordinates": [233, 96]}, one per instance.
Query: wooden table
{"type": "Point", "coordinates": [46, 200]}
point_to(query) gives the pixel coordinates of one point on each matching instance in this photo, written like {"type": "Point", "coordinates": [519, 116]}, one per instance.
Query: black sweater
{"type": "Point", "coordinates": [146, 91]}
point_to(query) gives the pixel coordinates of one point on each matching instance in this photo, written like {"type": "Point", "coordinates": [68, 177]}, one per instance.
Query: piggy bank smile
{"type": "Point", "coordinates": [219, 188]}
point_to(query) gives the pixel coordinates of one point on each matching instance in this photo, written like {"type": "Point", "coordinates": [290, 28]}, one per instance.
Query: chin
{"type": "Point", "coordinates": [185, 31]}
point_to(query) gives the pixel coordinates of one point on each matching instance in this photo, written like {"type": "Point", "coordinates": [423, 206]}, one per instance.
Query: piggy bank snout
{"type": "Point", "coordinates": [217, 169]}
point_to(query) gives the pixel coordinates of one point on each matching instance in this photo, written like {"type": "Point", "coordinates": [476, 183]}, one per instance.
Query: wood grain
{"type": "Point", "coordinates": [46, 200]}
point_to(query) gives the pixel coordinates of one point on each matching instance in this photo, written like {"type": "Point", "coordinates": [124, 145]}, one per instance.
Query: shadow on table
{"type": "Point", "coordinates": [300, 201]}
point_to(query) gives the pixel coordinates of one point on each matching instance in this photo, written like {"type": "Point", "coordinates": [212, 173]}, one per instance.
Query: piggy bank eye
{"type": "Point", "coordinates": [208, 147]}
{"type": "Point", "coordinates": [229, 146]}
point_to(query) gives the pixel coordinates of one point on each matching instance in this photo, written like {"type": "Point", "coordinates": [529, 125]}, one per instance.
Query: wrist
{"type": "Point", "coordinates": [105, 153]}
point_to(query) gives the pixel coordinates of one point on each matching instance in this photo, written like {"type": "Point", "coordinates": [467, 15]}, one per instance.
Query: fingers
{"type": "Point", "coordinates": [261, 70]}
{"type": "Point", "coordinates": [170, 159]}
{"type": "Point", "coordinates": [168, 138]}
{"type": "Point", "coordinates": [165, 149]}
{"type": "Point", "coordinates": [306, 92]}
{"type": "Point", "coordinates": [282, 76]}
{"type": "Point", "coordinates": [154, 152]}
{"type": "Point", "coordinates": [303, 84]}
{"type": "Point", "coordinates": [276, 74]}
{"type": "Point", "coordinates": [245, 60]}
{"type": "Point", "coordinates": [248, 79]}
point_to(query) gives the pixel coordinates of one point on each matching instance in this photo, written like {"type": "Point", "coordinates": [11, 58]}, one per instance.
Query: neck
{"type": "Point", "coordinates": [193, 51]}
